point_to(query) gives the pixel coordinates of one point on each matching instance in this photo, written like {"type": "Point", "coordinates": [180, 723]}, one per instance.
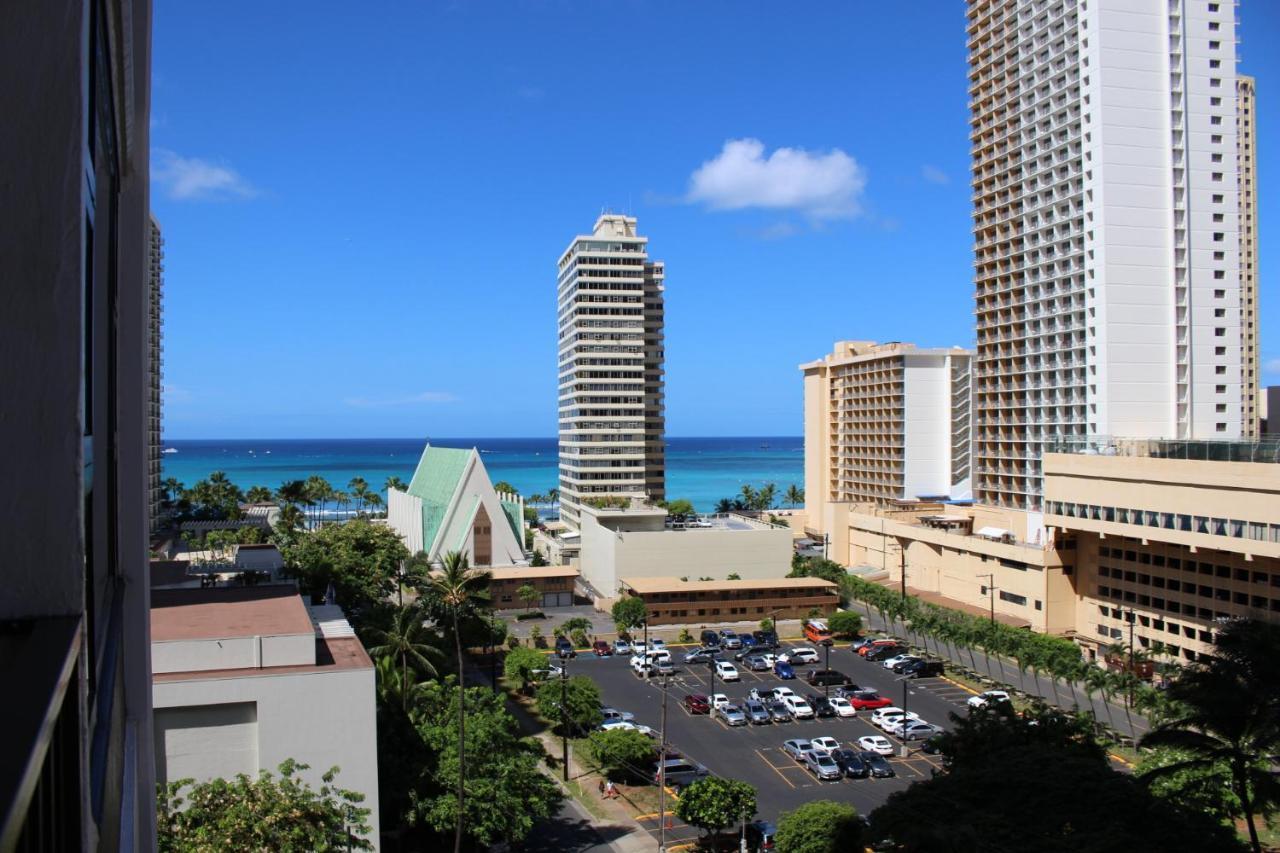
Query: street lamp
{"type": "Point", "coordinates": [662, 773]}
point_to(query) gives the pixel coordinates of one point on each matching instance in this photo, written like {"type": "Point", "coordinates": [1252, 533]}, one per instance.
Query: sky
{"type": "Point", "coordinates": [363, 204]}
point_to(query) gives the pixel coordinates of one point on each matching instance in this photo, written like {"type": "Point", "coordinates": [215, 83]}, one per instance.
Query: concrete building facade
{"type": "Point", "coordinates": [886, 422]}
{"type": "Point", "coordinates": [1106, 228]}
{"type": "Point", "coordinates": [155, 369]}
{"type": "Point", "coordinates": [75, 763]}
{"type": "Point", "coordinates": [1247, 169]}
{"type": "Point", "coordinates": [610, 323]}
{"type": "Point", "coordinates": [246, 677]}
{"type": "Point", "coordinates": [554, 585]}
{"type": "Point", "coordinates": [672, 601]}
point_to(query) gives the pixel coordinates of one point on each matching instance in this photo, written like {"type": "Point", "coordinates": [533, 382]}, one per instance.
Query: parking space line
{"type": "Point", "coordinates": [774, 768]}
{"type": "Point", "coordinates": [963, 687]}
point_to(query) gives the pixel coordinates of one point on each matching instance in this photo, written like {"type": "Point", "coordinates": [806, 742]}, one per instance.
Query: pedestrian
{"type": "Point", "coordinates": [602, 794]}
{"type": "Point", "coordinates": [611, 791]}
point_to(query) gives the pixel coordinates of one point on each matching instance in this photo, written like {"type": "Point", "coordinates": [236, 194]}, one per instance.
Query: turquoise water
{"type": "Point", "coordinates": [702, 470]}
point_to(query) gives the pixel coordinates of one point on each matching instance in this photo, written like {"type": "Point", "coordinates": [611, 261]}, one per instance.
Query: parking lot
{"type": "Point", "coordinates": [754, 753]}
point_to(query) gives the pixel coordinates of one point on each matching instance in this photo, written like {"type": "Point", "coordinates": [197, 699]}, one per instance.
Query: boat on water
{"type": "Point", "coordinates": [170, 450]}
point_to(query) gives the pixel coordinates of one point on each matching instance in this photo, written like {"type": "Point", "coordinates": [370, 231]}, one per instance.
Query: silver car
{"type": "Point", "coordinates": [797, 748]}
{"type": "Point", "coordinates": [822, 765]}
{"type": "Point", "coordinates": [757, 713]}
{"type": "Point", "coordinates": [732, 715]}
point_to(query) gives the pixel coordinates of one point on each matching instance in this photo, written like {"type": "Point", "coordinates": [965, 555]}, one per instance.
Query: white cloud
{"type": "Point", "coordinates": [934, 175]}
{"type": "Point", "coordinates": [407, 400]}
{"type": "Point", "coordinates": [821, 185]}
{"type": "Point", "coordinates": [193, 179]}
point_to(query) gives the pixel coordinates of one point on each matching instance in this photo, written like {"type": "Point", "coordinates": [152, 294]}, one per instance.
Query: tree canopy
{"type": "Point", "coordinates": [713, 803]}
{"type": "Point", "coordinates": [521, 663]}
{"type": "Point", "coordinates": [622, 752]}
{"type": "Point", "coordinates": [845, 623]}
{"type": "Point", "coordinates": [360, 559]}
{"type": "Point", "coordinates": [821, 826]}
{"type": "Point", "coordinates": [575, 702]}
{"type": "Point", "coordinates": [628, 612]}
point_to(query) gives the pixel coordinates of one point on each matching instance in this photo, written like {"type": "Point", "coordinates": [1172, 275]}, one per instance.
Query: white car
{"type": "Point", "coordinates": [638, 647]}
{"type": "Point", "coordinates": [783, 692]}
{"type": "Point", "coordinates": [830, 744]}
{"type": "Point", "coordinates": [657, 643]}
{"type": "Point", "coordinates": [842, 707]}
{"type": "Point", "coordinates": [800, 655]}
{"type": "Point", "coordinates": [888, 722]}
{"type": "Point", "coordinates": [897, 659]}
{"type": "Point", "coordinates": [914, 730]}
{"type": "Point", "coordinates": [719, 700]}
{"type": "Point", "coordinates": [726, 671]}
{"type": "Point", "coordinates": [878, 715]}
{"type": "Point", "coordinates": [626, 726]}
{"type": "Point", "coordinates": [982, 700]}
{"type": "Point", "coordinates": [799, 708]}
{"type": "Point", "coordinates": [613, 715]}
{"type": "Point", "coordinates": [877, 744]}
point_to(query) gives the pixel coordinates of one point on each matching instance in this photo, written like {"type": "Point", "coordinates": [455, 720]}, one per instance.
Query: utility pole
{"type": "Point", "coordinates": [662, 774]}
{"type": "Point", "coordinates": [991, 590]}
{"type": "Point", "coordinates": [902, 554]}
{"type": "Point", "coordinates": [826, 682]}
{"type": "Point", "coordinates": [1132, 617]}
{"type": "Point", "coordinates": [647, 673]}
{"type": "Point", "coordinates": [564, 716]}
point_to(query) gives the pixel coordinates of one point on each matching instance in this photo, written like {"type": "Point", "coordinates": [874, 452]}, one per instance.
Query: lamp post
{"type": "Point", "coordinates": [826, 682]}
{"type": "Point", "coordinates": [662, 773]}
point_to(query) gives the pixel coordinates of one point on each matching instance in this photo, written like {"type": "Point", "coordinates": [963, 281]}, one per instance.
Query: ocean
{"type": "Point", "coordinates": [703, 470]}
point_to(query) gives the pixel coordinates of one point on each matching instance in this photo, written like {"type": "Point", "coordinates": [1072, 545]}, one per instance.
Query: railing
{"type": "Point", "coordinates": [1237, 450]}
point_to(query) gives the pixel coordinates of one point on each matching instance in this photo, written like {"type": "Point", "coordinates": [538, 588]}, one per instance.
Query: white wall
{"type": "Point", "coordinates": [404, 514]}
{"type": "Point", "coordinates": [233, 653]}
{"type": "Point", "coordinates": [926, 465]}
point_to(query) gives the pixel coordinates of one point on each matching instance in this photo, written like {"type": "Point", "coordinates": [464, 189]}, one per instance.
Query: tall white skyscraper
{"type": "Point", "coordinates": [611, 368]}
{"type": "Point", "coordinates": [1106, 217]}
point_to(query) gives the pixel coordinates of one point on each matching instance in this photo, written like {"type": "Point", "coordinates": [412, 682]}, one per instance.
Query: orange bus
{"type": "Point", "coordinates": [816, 631]}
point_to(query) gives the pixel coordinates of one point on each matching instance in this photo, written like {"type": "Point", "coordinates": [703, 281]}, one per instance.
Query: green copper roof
{"type": "Point", "coordinates": [512, 511]}
{"type": "Point", "coordinates": [435, 480]}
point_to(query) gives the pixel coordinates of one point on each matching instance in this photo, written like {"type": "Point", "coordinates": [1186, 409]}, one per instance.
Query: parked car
{"type": "Point", "coordinates": [782, 669]}
{"type": "Point", "coordinates": [758, 663]}
{"type": "Point", "coordinates": [732, 714]}
{"type": "Point", "coordinates": [702, 655]}
{"type": "Point", "coordinates": [932, 745]}
{"type": "Point", "coordinates": [822, 765]}
{"type": "Point", "coordinates": [610, 715]}
{"type": "Point", "coordinates": [825, 742]}
{"type": "Point", "coordinates": [710, 638]}
{"type": "Point", "coordinates": [820, 677]}
{"type": "Point", "coordinates": [782, 691]}
{"type": "Point", "coordinates": [923, 669]}
{"type": "Point", "coordinates": [621, 647]}
{"type": "Point", "coordinates": [816, 631]}
{"type": "Point", "coordinates": [564, 648]}
{"type": "Point", "coordinates": [842, 706]}
{"type": "Point", "coordinates": [627, 726]}
{"type": "Point", "coordinates": [638, 647]}
{"type": "Point", "coordinates": [822, 706]}
{"type": "Point", "coordinates": [884, 653]}
{"type": "Point", "coordinates": [859, 642]}
{"type": "Point", "coordinates": [748, 651]}
{"type": "Point", "coordinates": [914, 730]}
{"type": "Point", "coordinates": [851, 763]}
{"type": "Point", "coordinates": [730, 639]}
{"type": "Point", "coordinates": [878, 767]}
{"type": "Point", "coordinates": [989, 697]}
{"type": "Point", "coordinates": [890, 663]}
{"type": "Point", "coordinates": [696, 703]}
{"type": "Point", "coordinates": [718, 701]}
{"type": "Point", "coordinates": [763, 694]}
{"type": "Point", "coordinates": [876, 743]}
{"type": "Point", "coordinates": [800, 655]}
{"type": "Point", "coordinates": [602, 648]}
{"type": "Point", "coordinates": [756, 712]}
{"type": "Point", "coordinates": [779, 712]}
{"type": "Point", "coordinates": [727, 671]}
{"type": "Point", "coordinates": [873, 645]}
{"type": "Point", "coordinates": [796, 748]}
{"type": "Point", "coordinates": [679, 772]}
{"type": "Point", "coordinates": [889, 721]}
{"type": "Point", "coordinates": [760, 834]}
{"type": "Point", "coordinates": [657, 643]}
{"type": "Point", "coordinates": [799, 708]}
{"type": "Point", "coordinates": [868, 700]}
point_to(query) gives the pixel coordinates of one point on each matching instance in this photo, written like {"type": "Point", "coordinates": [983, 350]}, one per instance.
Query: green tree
{"type": "Point", "coordinates": [406, 641]}
{"type": "Point", "coordinates": [766, 624]}
{"type": "Point", "coordinates": [528, 593]}
{"type": "Point", "coordinates": [573, 703]}
{"type": "Point", "coordinates": [319, 492]}
{"type": "Point", "coordinates": [173, 489]}
{"type": "Point", "coordinates": [395, 483]}
{"type": "Point", "coordinates": [817, 567]}
{"type": "Point", "coordinates": [680, 507]}
{"type": "Point", "coordinates": [537, 559]}
{"type": "Point", "coordinates": [521, 664]}
{"type": "Point", "coordinates": [820, 826]}
{"type": "Point", "coordinates": [504, 486]}
{"type": "Point", "coordinates": [733, 576]}
{"type": "Point", "coordinates": [713, 803]}
{"type": "Point", "coordinates": [628, 612]}
{"type": "Point", "coordinates": [1229, 713]}
{"type": "Point", "coordinates": [1194, 787]}
{"type": "Point", "coordinates": [794, 495]}
{"type": "Point", "coordinates": [360, 559]}
{"type": "Point", "coordinates": [259, 495]}
{"type": "Point", "coordinates": [621, 753]}
{"type": "Point", "coordinates": [577, 623]}
{"type": "Point", "coordinates": [266, 813]}
{"type": "Point", "coordinates": [767, 497]}
{"type": "Point", "coordinates": [845, 623]}
{"type": "Point", "coordinates": [460, 592]}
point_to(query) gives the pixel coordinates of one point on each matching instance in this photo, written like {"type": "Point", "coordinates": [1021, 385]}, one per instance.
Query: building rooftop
{"type": "Point", "coordinates": [660, 584]}
{"type": "Point", "coordinates": [224, 612]}
{"type": "Point", "coordinates": [505, 573]}
{"type": "Point", "coordinates": [332, 653]}
{"type": "Point", "coordinates": [1199, 450]}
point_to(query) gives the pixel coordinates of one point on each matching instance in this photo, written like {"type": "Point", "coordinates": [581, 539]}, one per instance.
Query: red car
{"type": "Point", "coordinates": [696, 703]}
{"type": "Point", "coordinates": [868, 699]}
{"type": "Point", "coordinates": [602, 649]}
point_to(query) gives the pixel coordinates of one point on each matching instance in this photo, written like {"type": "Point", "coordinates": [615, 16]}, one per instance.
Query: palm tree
{"type": "Point", "coordinates": [292, 493]}
{"type": "Point", "coordinates": [341, 500]}
{"type": "Point", "coordinates": [395, 483]}
{"type": "Point", "coordinates": [460, 592]}
{"type": "Point", "coordinates": [794, 495]}
{"type": "Point", "coordinates": [406, 641]}
{"type": "Point", "coordinates": [360, 488]}
{"type": "Point", "coordinates": [724, 505]}
{"type": "Point", "coordinates": [374, 500]}
{"type": "Point", "coordinates": [172, 488]}
{"type": "Point", "coordinates": [1228, 710]}
{"type": "Point", "coordinates": [258, 495]}
{"type": "Point", "coordinates": [766, 496]}
{"type": "Point", "coordinates": [553, 494]}
{"type": "Point", "coordinates": [749, 496]}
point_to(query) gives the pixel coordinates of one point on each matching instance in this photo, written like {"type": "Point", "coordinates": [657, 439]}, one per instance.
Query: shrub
{"type": "Point", "coordinates": [685, 636]}
{"type": "Point", "coordinates": [532, 614]}
{"type": "Point", "coordinates": [579, 638]}
{"type": "Point", "coordinates": [845, 623]}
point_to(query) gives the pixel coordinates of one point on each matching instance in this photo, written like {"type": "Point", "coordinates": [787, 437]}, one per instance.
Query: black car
{"type": "Point", "coordinates": [876, 765]}
{"type": "Point", "coordinates": [846, 691]}
{"type": "Point", "coordinates": [564, 648]}
{"type": "Point", "coordinates": [885, 652]}
{"type": "Point", "coordinates": [901, 666]}
{"type": "Point", "coordinates": [933, 745]}
{"type": "Point", "coordinates": [768, 639]}
{"type": "Point", "coordinates": [821, 705]}
{"type": "Point", "coordinates": [710, 638]}
{"type": "Point", "coordinates": [821, 677]}
{"type": "Point", "coordinates": [851, 763]}
{"type": "Point", "coordinates": [922, 669]}
{"type": "Point", "coordinates": [752, 650]}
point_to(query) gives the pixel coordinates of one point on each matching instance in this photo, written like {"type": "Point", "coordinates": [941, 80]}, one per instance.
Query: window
{"type": "Point", "coordinates": [1013, 598]}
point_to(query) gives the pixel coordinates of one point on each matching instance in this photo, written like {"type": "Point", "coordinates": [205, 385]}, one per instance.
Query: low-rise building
{"type": "Point", "coordinates": [245, 677]}
{"type": "Point", "coordinates": [554, 585]}
{"type": "Point", "coordinates": [637, 540]}
{"type": "Point", "coordinates": [670, 600]}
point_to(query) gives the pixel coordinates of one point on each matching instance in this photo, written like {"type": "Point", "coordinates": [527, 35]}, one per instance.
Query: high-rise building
{"type": "Point", "coordinates": [611, 368]}
{"type": "Point", "coordinates": [1246, 151]}
{"type": "Point", "coordinates": [1106, 220]}
{"type": "Point", "coordinates": [76, 765]}
{"type": "Point", "coordinates": [155, 369]}
{"type": "Point", "coordinates": [885, 422]}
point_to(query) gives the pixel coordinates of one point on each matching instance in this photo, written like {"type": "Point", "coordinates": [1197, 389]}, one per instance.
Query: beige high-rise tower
{"type": "Point", "coordinates": [612, 418]}
{"type": "Point", "coordinates": [1246, 165]}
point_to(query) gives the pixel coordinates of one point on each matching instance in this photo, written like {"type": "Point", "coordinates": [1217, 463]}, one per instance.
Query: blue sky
{"type": "Point", "coordinates": [363, 204]}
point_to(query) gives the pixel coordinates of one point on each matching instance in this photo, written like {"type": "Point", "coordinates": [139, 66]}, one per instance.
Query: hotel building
{"type": "Point", "coordinates": [155, 368]}
{"type": "Point", "coordinates": [1106, 229]}
{"type": "Point", "coordinates": [1247, 168]}
{"type": "Point", "coordinates": [76, 766]}
{"type": "Point", "coordinates": [610, 316]}
{"type": "Point", "coordinates": [885, 422]}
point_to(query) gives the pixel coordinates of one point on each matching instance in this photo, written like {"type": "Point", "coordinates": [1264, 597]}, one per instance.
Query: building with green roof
{"type": "Point", "coordinates": [451, 505]}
